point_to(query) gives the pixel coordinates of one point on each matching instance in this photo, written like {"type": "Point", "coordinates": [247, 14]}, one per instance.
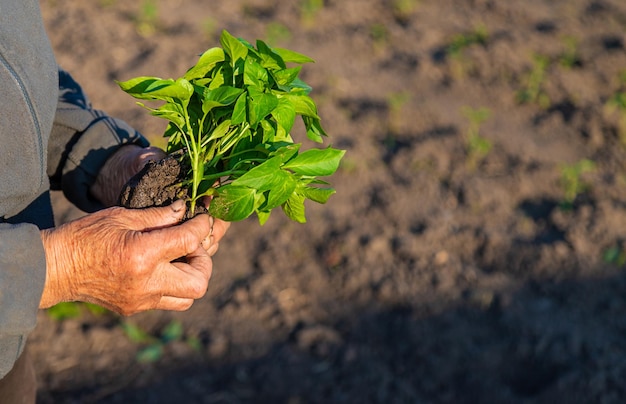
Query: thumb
{"type": "Point", "coordinates": [158, 217]}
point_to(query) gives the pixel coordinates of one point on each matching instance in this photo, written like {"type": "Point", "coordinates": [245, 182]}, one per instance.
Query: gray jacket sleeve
{"type": "Point", "coordinates": [23, 269]}
{"type": "Point", "coordinates": [81, 141]}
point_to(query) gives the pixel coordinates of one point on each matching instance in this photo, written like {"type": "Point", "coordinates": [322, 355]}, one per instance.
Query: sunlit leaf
{"type": "Point", "coordinates": [316, 162]}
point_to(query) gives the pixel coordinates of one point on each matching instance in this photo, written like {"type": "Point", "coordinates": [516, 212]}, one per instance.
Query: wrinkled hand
{"type": "Point", "coordinates": [119, 168]}
{"type": "Point", "coordinates": [128, 260]}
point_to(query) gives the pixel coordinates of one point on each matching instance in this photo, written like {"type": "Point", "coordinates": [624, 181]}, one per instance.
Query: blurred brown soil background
{"type": "Point", "coordinates": [474, 251]}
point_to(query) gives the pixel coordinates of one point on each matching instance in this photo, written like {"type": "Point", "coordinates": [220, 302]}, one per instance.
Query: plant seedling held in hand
{"type": "Point", "coordinates": [230, 118]}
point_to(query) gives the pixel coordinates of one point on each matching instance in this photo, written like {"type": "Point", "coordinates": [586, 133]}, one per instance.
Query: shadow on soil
{"type": "Point", "coordinates": [541, 342]}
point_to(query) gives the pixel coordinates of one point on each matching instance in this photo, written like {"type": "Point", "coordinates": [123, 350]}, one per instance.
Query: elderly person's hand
{"type": "Point", "coordinates": [128, 161]}
{"type": "Point", "coordinates": [129, 260]}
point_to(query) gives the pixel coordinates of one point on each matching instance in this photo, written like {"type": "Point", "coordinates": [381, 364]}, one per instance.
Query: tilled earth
{"type": "Point", "coordinates": [462, 259]}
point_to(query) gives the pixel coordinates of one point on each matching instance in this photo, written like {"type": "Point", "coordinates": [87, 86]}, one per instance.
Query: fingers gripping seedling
{"type": "Point", "coordinates": [230, 116]}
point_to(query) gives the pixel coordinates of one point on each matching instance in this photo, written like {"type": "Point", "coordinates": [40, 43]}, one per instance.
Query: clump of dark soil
{"type": "Point", "coordinates": [159, 183]}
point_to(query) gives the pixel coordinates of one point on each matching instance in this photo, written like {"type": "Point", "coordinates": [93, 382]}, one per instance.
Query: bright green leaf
{"type": "Point", "coordinates": [263, 177]}
{"type": "Point", "coordinates": [263, 216]}
{"type": "Point", "coordinates": [233, 47]}
{"type": "Point", "coordinates": [281, 191]}
{"type": "Point", "coordinates": [314, 130]}
{"type": "Point", "coordinates": [286, 76]}
{"type": "Point", "coordinates": [290, 56]}
{"type": "Point", "coordinates": [205, 64]}
{"type": "Point", "coordinates": [319, 195]}
{"type": "Point", "coordinates": [294, 208]}
{"type": "Point", "coordinates": [262, 105]}
{"type": "Point", "coordinates": [172, 332]}
{"type": "Point", "coordinates": [233, 203]}
{"type": "Point", "coordinates": [303, 104]}
{"type": "Point", "coordinates": [316, 162]}
{"type": "Point", "coordinates": [239, 112]}
{"type": "Point", "coordinates": [270, 59]}
{"type": "Point", "coordinates": [255, 74]}
{"type": "Point", "coordinates": [285, 114]}
{"type": "Point", "coordinates": [150, 354]}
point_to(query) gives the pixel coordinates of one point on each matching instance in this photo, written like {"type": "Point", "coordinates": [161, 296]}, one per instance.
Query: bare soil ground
{"type": "Point", "coordinates": [436, 274]}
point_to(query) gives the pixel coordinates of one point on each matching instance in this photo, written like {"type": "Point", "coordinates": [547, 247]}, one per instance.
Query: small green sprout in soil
{"type": "Point", "coordinates": [456, 50]}
{"type": "Point", "coordinates": [460, 42]}
{"type": "Point", "coordinates": [615, 255]}
{"type": "Point", "coordinates": [570, 57]}
{"type": "Point", "coordinates": [572, 181]}
{"type": "Point", "coordinates": [231, 115]}
{"type": "Point", "coordinates": [532, 91]}
{"type": "Point", "coordinates": [616, 104]}
{"type": "Point", "coordinates": [477, 146]}
{"type": "Point", "coordinates": [403, 9]}
{"type": "Point", "coordinates": [309, 10]}
{"type": "Point", "coordinates": [66, 310]}
{"type": "Point", "coordinates": [147, 19]}
{"type": "Point", "coordinates": [153, 346]}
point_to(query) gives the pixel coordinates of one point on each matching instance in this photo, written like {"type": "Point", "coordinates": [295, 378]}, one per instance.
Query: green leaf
{"type": "Point", "coordinates": [270, 59]}
{"type": "Point", "coordinates": [220, 97]}
{"type": "Point", "coordinates": [153, 88]}
{"type": "Point", "coordinates": [316, 162]}
{"type": "Point", "coordinates": [269, 131]}
{"type": "Point", "coordinates": [314, 130]}
{"type": "Point", "coordinates": [303, 104]}
{"type": "Point", "coordinates": [285, 114]}
{"type": "Point", "coordinates": [233, 203]}
{"type": "Point", "coordinates": [263, 216]}
{"type": "Point", "coordinates": [172, 332]}
{"type": "Point", "coordinates": [290, 56]}
{"type": "Point", "coordinates": [255, 74]}
{"type": "Point", "coordinates": [319, 195]}
{"type": "Point", "coordinates": [134, 333]}
{"type": "Point", "coordinates": [171, 112]}
{"type": "Point", "coordinates": [262, 104]}
{"type": "Point", "coordinates": [294, 208]}
{"type": "Point", "coordinates": [218, 132]}
{"type": "Point", "coordinates": [239, 112]}
{"type": "Point", "coordinates": [95, 309]}
{"type": "Point", "coordinates": [285, 77]}
{"type": "Point", "coordinates": [233, 47]}
{"type": "Point", "coordinates": [205, 64]}
{"type": "Point", "coordinates": [150, 354]}
{"type": "Point", "coordinates": [263, 177]}
{"type": "Point", "coordinates": [285, 151]}
{"type": "Point", "coordinates": [225, 95]}
{"type": "Point", "coordinates": [64, 310]}
{"type": "Point", "coordinates": [281, 191]}
{"type": "Point", "coordinates": [299, 87]}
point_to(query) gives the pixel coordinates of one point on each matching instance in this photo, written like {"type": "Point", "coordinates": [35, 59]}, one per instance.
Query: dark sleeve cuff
{"type": "Point", "coordinates": [81, 141]}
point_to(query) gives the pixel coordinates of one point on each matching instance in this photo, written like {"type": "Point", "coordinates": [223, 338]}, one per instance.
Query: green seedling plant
{"type": "Point", "coordinates": [67, 310]}
{"type": "Point", "coordinates": [460, 42]}
{"type": "Point", "coordinates": [572, 181]}
{"type": "Point", "coordinates": [615, 255]}
{"type": "Point", "coordinates": [309, 10]}
{"type": "Point", "coordinates": [477, 146]}
{"type": "Point", "coordinates": [153, 346]}
{"type": "Point", "coordinates": [232, 115]}
{"type": "Point", "coordinates": [460, 64]}
{"type": "Point", "coordinates": [570, 57]}
{"type": "Point", "coordinates": [616, 104]}
{"type": "Point", "coordinates": [148, 17]}
{"type": "Point", "coordinates": [403, 9]}
{"type": "Point", "coordinates": [532, 91]}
